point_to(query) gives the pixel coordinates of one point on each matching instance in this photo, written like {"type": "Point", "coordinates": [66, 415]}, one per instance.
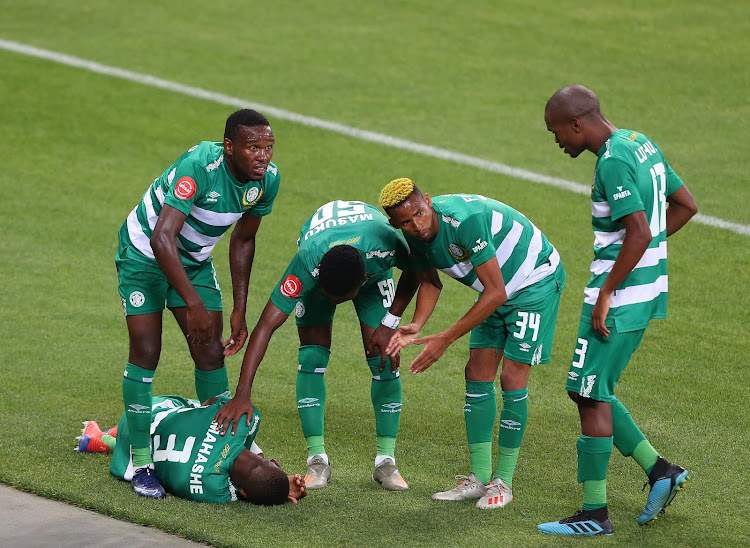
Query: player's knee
{"type": "Point", "coordinates": [573, 396]}
{"type": "Point", "coordinates": [313, 358]}
{"type": "Point", "coordinates": [209, 357]}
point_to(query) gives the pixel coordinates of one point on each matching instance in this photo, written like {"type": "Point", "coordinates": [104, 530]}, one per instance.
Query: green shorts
{"type": "Point", "coordinates": [144, 289]}
{"type": "Point", "coordinates": [371, 303]}
{"type": "Point", "coordinates": [524, 327]}
{"type": "Point", "coordinates": [599, 361]}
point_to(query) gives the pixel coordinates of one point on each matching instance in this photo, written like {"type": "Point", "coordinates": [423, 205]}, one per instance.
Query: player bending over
{"type": "Point", "coordinates": [346, 252]}
{"type": "Point", "coordinates": [495, 250]}
{"type": "Point", "coordinates": [192, 460]}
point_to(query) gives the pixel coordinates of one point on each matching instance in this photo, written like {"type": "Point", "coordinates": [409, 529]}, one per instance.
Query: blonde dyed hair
{"type": "Point", "coordinates": [396, 192]}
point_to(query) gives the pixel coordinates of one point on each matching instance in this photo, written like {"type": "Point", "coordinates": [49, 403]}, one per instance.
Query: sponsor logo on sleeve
{"type": "Point", "coordinates": [185, 188]}
{"type": "Point", "coordinates": [291, 286]}
{"type": "Point", "coordinates": [621, 193]}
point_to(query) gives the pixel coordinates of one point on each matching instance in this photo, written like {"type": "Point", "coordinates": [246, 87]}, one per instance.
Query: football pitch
{"type": "Point", "coordinates": [99, 98]}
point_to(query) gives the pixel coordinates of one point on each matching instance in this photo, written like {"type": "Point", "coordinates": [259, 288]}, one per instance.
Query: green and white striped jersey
{"type": "Point", "coordinates": [201, 186]}
{"type": "Point", "coordinates": [340, 222]}
{"type": "Point", "coordinates": [191, 459]}
{"type": "Point", "coordinates": [473, 229]}
{"type": "Point", "coordinates": [631, 175]}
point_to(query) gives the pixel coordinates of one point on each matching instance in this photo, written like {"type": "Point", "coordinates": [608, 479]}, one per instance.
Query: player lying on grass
{"type": "Point", "coordinates": [346, 252]}
{"type": "Point", "coordinates": [192, 460]}
{"type": "Point", "coordinates": [495, 250]}
{"type": "Point", "coordinates": [637, 201]}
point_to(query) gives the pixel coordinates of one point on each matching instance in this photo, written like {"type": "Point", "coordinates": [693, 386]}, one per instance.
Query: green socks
{"type": "Point", "coordinates": [136, 394]}
{"type": "Point", "coordinates": [629, 439]}
{"type": "Point", "coordinates": [385, 392]}
{"type": "Point", "coordinates": [593, 461]}
{"type": "Point", "coordinates": [211, 383]}
{"type": "Point", "coordinates": [480, 411]}
{"type": "Point", "coordinates": [513, 419]}
{"type": "Point", "coordinates": [311, 395]}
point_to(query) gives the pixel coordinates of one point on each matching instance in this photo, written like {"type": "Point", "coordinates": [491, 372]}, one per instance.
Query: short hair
{"type": "Point", "coordinates": [268, 485]}
{"type": "Point", "coordinates": [574, 101]}
{"type": "Point", "coordinates": [397, 192]}
{"type": "Point", "coordinates": [244, 117]}
{"type": "Point", "coordinates": [341, 270]}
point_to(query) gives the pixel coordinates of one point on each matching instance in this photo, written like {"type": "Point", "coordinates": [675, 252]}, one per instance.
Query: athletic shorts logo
{"type": "Point", "coordinates": [458, 252]}
{"type": "Point", "coordinates": [572, 375]}
{"type": "Point", "coordinates": [587, 384]}
{"type": "Point", "coordinates": [537, 357]}
{"type": "Point", "coordinates": [291, 286]}
{"type": "Point", "coordinates": [185, 188]}
{"type": "Point", "coordinates": [137, 299]}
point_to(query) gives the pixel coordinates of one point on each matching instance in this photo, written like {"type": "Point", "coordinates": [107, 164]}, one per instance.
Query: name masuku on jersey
{"type": "Point", "coordinates": [349, 219]}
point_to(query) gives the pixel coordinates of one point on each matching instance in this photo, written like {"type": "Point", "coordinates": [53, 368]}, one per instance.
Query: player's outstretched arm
{"type": "Point", "coordinates": [681, 209]}
{"type": "Point", "coordinates": [241, 255]}
{"type": "Point", "coordinates": [493, 296]}
{"type": "Point", "coordinates": [229, 415]}
{"type": "Point", "coordinates": [407, 286]}
{"type": "Point", "coordinates": [429, 292]}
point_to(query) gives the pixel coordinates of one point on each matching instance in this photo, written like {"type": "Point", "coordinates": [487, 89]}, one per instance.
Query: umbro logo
{"type": "Point", "coordinates": [510, 424]}
{"type": "Point", "coordinates": [138, 408]}
{"type": "Point", "coordinates": [308, 400]}
{"type": "Point", "coordinates": [212, 196]}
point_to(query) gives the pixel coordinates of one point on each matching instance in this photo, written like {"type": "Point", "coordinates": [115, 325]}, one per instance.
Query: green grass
{"type": "Point", "coordinates": [471, 77]}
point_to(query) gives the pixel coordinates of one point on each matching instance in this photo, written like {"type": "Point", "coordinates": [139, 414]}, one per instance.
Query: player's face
{"type": "Point", "coordinates": [249, 152]}
{"type": "Point", "coordinates": [416, 218]}
{"type": "Point", "coordinates": [568, 133]}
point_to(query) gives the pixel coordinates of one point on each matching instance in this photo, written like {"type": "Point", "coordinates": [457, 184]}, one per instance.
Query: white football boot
{"type": "Point", "coordinates": [498, 495]}
{"type": "Point", "coordinates": [468, 488]}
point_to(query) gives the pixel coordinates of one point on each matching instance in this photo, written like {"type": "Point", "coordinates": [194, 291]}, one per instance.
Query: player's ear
{"type": "Point", "coordinates": [393, 223]}
{"type": "Point", "coordinates": [427, 199]}
{"type": "Point", "coordinates": [227, 146]}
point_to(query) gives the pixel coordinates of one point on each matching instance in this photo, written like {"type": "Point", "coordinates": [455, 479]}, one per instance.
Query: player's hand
{"type": "Point", "coordinates": [297, 489]}
{"type": "Point", "coordinates": [379, 341]}
{"type": "Point", "coordinates": [239, 334]}
{"type": "Point", "coordinates": [231, 413]}
{"type": "Point", "coordinates": [403, 336]}
{"type": "Point", "coordinates": [599, 313]}
{"type": "Point", "coordinates": [199, 325]}
{"type": "Point", "coordinates": [434, 347]}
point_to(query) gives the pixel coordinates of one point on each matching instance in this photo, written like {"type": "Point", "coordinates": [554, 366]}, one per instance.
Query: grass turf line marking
{"type": "Point", "coordinates": [364, 135]}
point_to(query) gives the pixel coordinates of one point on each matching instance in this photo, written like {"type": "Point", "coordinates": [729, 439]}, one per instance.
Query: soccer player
{"type": "Point", "coordinates": [346, 252]}
{"type": "Point", "coordinates": [637, 200]}
{"type": "Point", "coordinates": [164, 256]}
{"type": "Point", "coordinates": [192, 460]}
{"type": "Point", "coordinates": [495, 250]}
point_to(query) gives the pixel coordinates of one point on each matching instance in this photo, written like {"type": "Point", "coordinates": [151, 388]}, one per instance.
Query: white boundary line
{"type": "Point", "coordinates": [380, 138]}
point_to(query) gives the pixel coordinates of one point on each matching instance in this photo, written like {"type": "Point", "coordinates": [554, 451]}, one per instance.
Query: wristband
{"type": "Point", "coordinates": [390, 321]}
